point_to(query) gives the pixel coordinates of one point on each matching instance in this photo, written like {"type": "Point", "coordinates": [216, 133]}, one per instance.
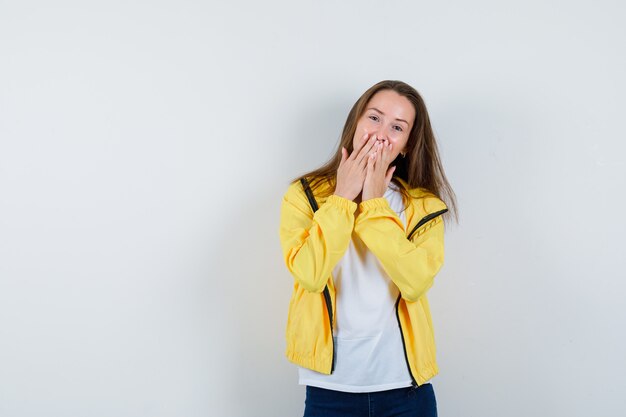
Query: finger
{"type": "Point", "coordinates": [386, 154]}
{"type": "Point", "coordinates": [366, 150]}
{"type": "Point", "coordinates": [367, 147]}
{"type": "Point", "coordinates": [379, 158]}
{"type": "Point", "coordinates": [344, 155]}
{"type": "Point", "coordinates": [387, 148]}
{"type": "Point", "coordinates": [359, 145]}
{"type": "Point", "coordinates": [390, 172]}
{"type": "Point", "coordinates": [371, 160]}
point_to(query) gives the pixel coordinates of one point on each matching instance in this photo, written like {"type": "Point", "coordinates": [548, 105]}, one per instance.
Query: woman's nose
{"type": "Point", "coordinates": [380, 136]}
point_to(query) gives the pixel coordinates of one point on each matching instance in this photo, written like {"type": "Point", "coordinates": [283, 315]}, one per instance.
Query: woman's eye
{"type": "Point", "coordinates": [398, 128]}
{"type": "Point", "coordinates": [374, 118]}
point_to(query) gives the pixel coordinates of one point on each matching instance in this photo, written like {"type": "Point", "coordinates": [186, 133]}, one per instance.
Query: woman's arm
{"type": "Point", "coordinates": [411, 264]}
{"type": "Point", "coordinates": [313, 243]}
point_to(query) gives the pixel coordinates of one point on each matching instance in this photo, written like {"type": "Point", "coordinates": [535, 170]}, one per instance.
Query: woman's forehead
{"type": "Point", "coordinates": [392, 104]}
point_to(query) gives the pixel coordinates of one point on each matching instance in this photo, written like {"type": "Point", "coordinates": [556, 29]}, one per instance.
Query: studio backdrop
{"type": "Point", "coordinates": [145, 148]}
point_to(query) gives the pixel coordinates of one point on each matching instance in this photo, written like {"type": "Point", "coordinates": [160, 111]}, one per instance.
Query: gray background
{"type": "Point", "coordinates": [145, 148]}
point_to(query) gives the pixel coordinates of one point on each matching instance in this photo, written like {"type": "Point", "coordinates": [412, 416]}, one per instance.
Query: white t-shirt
{"type": "Point", "coordinates": [369, 355]}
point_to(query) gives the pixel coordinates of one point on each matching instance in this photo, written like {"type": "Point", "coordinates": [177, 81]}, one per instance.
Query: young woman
{"type": "Point", "coordinates": [363, 238]}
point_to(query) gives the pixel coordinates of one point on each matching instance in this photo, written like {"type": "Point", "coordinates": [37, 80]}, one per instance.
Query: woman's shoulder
{"type": "Point", "coordinates": [318, 186]}
{"type": "Point", "coordinates": [295, 193]}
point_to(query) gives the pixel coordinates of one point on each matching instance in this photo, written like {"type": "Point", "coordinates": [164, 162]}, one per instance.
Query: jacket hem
{"type": "Point", "coordinates": [319, 365]}
{"type": "Point", "coordinates": [426, 373]}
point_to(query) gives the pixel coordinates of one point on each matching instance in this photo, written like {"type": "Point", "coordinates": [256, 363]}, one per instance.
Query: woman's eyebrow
{"type": "Point", "coordinates": [400, 120]}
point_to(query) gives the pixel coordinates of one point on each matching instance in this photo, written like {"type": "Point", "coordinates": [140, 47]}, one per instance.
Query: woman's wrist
{"type": "Point", "coordinates": [343, 195]}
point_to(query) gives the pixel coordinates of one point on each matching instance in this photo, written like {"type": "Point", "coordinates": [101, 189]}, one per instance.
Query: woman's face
{"type": "Point", "coordinates": [389, 116]}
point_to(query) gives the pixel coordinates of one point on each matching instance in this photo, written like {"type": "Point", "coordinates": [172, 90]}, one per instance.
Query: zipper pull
{"type": "Point", "coordinates": [412, 390]}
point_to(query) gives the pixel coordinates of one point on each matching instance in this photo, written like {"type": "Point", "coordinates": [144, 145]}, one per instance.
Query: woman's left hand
{"type": "Point", "coordinates": [378, 175]}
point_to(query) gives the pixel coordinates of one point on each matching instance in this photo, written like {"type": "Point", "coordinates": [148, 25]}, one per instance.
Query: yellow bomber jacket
{"type": "Point", "coordinates": [314, 234]}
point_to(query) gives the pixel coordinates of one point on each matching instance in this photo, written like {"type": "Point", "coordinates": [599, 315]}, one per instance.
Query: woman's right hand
{"type": "Point", "coordinates": [352, 169]}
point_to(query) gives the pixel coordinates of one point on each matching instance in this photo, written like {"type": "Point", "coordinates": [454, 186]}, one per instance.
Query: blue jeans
{"type": "Point", "coordinates": [400, 402]}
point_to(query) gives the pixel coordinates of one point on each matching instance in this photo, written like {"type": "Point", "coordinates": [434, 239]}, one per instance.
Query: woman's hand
{"type": "Point", "coordinates": [377, 176]}
{"type": "Point", "coordinates": [352, 169]}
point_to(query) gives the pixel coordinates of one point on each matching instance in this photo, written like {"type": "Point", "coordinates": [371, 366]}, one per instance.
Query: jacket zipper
{"type": "Point", "coordinates": [426, 219]}
{"type": "Point", "coordinates": [406, 356]}
{"type": "Point", "coordinates": [329, 308]}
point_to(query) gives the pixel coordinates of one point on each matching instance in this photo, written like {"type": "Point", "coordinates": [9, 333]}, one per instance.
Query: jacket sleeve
{"type": "Point", "coordinates": [411, 264]}
{"type": "Point", "coordinates": [313, 243]}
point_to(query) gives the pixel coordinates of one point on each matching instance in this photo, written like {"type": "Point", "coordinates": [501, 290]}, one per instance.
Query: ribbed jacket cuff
{"type": "Point", "coordinates": [373, 203]}
{"type": "Point", "coordinates": [342, 202]}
